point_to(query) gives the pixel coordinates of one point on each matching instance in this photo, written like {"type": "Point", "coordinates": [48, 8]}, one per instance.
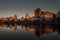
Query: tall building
{"type": "Point", "coordinates": [37, 12]}
{"type": "Point", "coordinates": [15, 16]}
{"type": "Point", "coordinates": [58, 17]}
{"type": "Point", "coordinates": [58, 14]}
{"type": "Point", "coordinates": [27, 16]}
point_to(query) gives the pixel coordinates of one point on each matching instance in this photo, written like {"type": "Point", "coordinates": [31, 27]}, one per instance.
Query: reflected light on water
{"type": "Point", "coordinates": [38, 29]}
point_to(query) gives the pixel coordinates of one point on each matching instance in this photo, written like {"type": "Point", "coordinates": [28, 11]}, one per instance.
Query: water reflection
{"type": "Point", "coordinates": [38, 29]}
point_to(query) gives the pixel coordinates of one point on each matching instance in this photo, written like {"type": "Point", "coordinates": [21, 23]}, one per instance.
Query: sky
{"type": "Point", "coordinates": [21, 7]}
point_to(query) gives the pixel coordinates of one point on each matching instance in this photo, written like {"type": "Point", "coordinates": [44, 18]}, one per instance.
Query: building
{"type": "Point", "coordinates": [27, 16]}
{"type": "Point", "coordinates": [21, 19]}
{"type": "Point", "coordinates": [15, 16]}
{"type": "Point", "coordinates": [58, 17]}
{"type": "Point", "coordinates": [58, 14]}
{"type": "Point", "coordinates": [11, 18]}
{"type": "Point", "coordinates": [48, 15]}
{"type": "Point", "coordinates": [37, 12]}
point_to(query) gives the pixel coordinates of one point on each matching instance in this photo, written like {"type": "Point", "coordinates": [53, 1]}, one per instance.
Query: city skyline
{"type": "Point", "coordinates": [30, 19]}
{"type": "Point", "coordinates": [20, 7]}
{"type": "Point", "coordinates": [38, 13]}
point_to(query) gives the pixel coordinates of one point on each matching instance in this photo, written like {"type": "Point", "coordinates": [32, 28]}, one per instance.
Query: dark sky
{"type": "Point", "coordinates": [20, 7]}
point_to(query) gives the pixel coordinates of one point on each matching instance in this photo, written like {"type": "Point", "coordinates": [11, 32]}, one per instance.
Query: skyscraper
{"type": "Point", "coordinates": [37, 12]}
